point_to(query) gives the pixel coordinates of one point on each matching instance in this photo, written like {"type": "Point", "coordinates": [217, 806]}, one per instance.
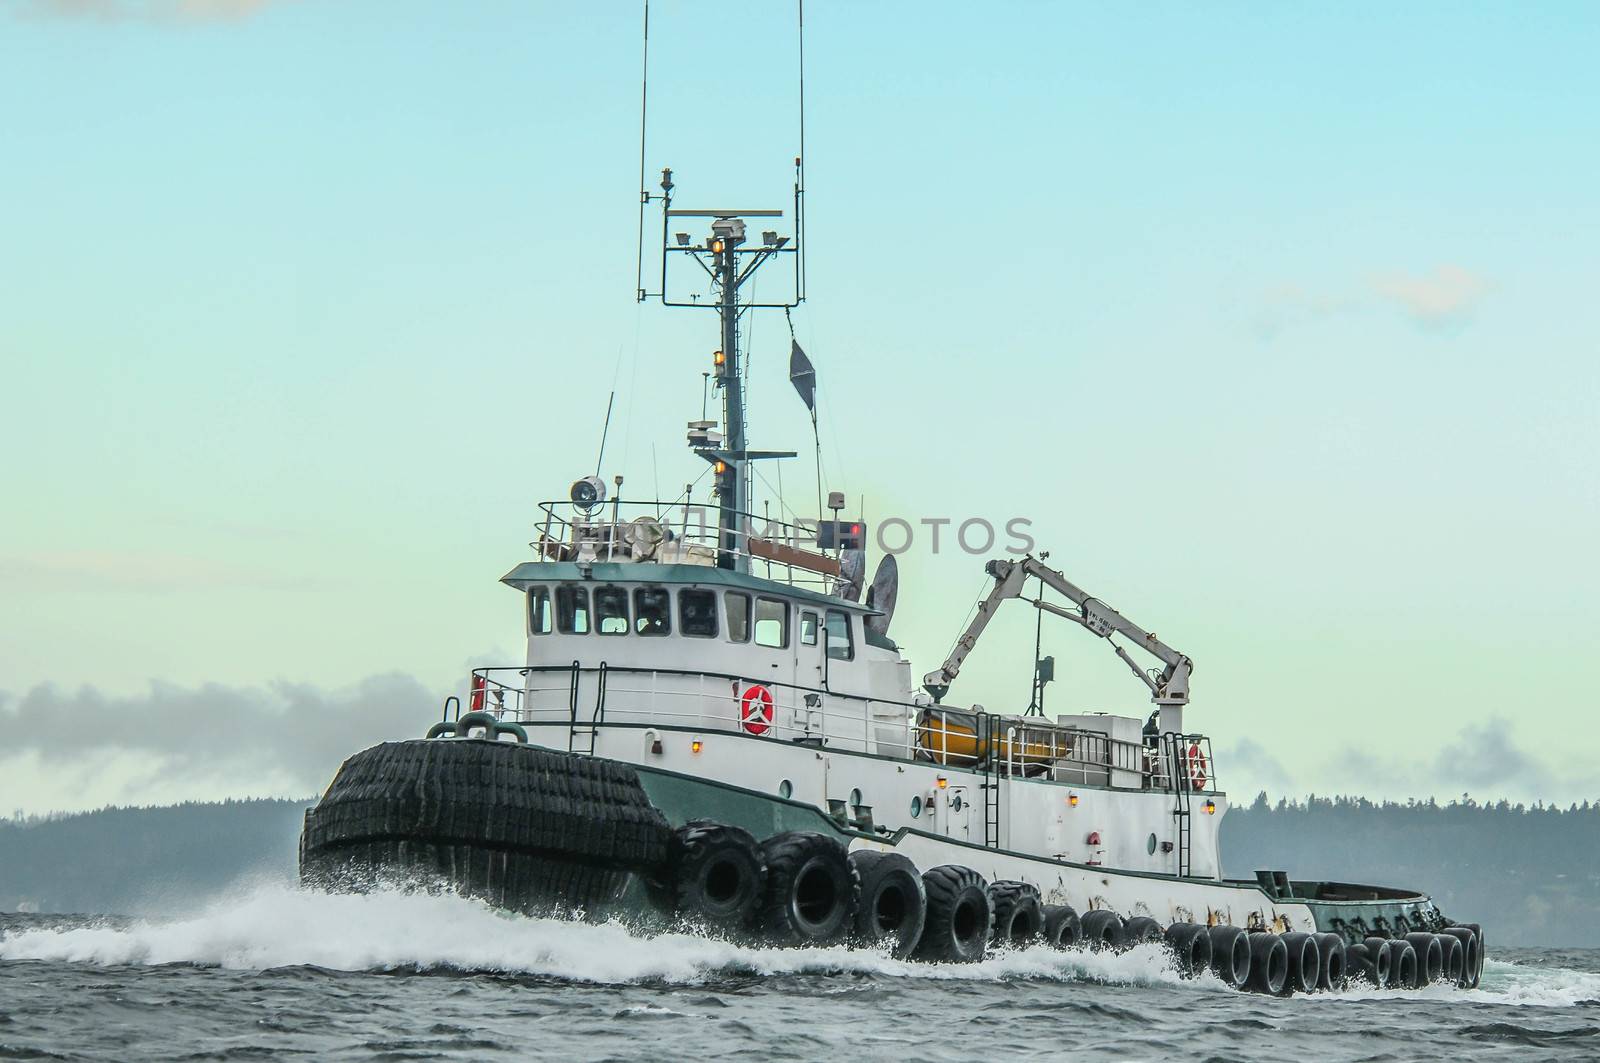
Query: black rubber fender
{"type": "Point", "coordinates": [717, 874]}
{"type": "Point", "coordinates": [1471, 953]}
{"type": "Point", "coordinates": [1451, 970]}
{"type": "Point", "coordinates": [1269, 963]}
{"type": "Point", "coordinates": [1191, 948]}
{"type": "Point", "coordinates": [1369, 964]}
{"type": "Point", "coordinates": [1230, 955]}
{"type": "Point", "coordinates": [1061, 927]}
{"type": "Point", "coordinates": [1334, 965]}
{"type": "Point", "coordinates": [893, 905]}
{"type": "Point", "coordinates": [1102, 929]}
{"type": "Point", "coordinates": [1403, 972]}
{"type": "Point", "coordinates": [1140, 929]}
{"type": "Point", "coordinates": [811, 890]}
{"type": "Point", "coordinates": [1018, 913]}
{"type": "Point", "coordinates": [1305, 962]}
{"type": "Point", "coordinates": [959, 915]}
{"type": "Point", "coordinates": [1430, 957]}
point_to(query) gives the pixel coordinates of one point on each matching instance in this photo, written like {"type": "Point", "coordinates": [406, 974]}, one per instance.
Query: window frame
{"type": "Point", "coordinates": [748, 618]}
{"type": "Point", "coordinates": [541, 594]}
{"type": "Point", "coordinates": [683, 623]}
{"type": "Point", "coordinates": [620, 593]}
{"type": "Point", "coordinates": [849, 653]}
{"type": "Point", "coordinates": [565, 623]}
{"type": "Point", "coordinates": [816, 627]}
{"type": "Point", "coordinates": [783, 623]}
{"type": "Point", "coordinates": [665, 596]}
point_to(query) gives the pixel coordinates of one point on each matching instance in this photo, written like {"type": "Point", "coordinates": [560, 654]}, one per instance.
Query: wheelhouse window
{"type": "Point", "coordinates": [841, 647]}
{"type": "Point", "coordinates": [539, 620]}
{"type": "Point", "coordinates": [652, 611]}
{"type": "Point", "coordinates": [808, 628]}
{"type": "Point", "coordinates": [611, 610]}
{"type": "Point", "coordinates": [697, 613]}
{"type": "Point", "coordinates": [772, 623]}
{"type": "Point", "coordinates": [572, 610]}
{"type": "Point", "coordinates": [738, 607]}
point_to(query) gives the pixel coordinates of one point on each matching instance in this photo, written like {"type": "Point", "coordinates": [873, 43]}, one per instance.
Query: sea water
{"type": "Point", "coordinates": [275, 971]}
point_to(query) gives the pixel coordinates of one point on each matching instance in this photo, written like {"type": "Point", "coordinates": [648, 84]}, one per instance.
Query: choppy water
{"type": "Point", "coordinates": [407, 977]}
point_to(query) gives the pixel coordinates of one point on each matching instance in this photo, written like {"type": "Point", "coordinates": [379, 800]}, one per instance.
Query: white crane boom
{"type": "Point", "coordinates": [1169, 689]}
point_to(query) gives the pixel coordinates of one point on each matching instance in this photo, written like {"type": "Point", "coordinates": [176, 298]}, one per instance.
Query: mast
{"type": "Point", "coordinates": [733, 485]}
{"type": "Point", "coordinates": [729, 260]}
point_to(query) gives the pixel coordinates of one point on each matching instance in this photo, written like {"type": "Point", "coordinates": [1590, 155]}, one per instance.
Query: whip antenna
{"type": "Point", "coordinates": [644, 193]}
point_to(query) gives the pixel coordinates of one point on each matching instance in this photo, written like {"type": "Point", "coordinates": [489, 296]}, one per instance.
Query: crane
{"type": "Point", "coordinates": [1169, 687]}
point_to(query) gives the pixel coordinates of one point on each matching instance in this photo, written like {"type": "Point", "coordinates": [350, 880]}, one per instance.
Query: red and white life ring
{"type": "Point", "coordinates": [1197, 767]}
{"type": "Point", "coordinates": [755, 709]}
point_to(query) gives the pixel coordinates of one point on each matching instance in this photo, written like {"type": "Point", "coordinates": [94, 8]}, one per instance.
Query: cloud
{"type": "Point", "coordinates": [148, 10]}
{"type": "Point", "coordinates": [1445, 297]}
{"type": "Point", "coordinates": [1291, 304]}
{"type": "Point", "coordinates": [285, 738]}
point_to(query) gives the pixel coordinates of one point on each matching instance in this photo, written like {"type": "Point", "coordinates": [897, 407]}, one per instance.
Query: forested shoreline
{"type": "Point", "coordinates": [1529, 873]}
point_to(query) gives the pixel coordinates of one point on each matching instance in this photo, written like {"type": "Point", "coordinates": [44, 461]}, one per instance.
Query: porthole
{"type": "Point", "coordinates": [916, 807]}
{"type": "Point", "coordinates": [1150, 845]}
{"type": "Point", "coordinates": [786, 789]}
{"type": "Point", "coordinates": [855, 798]}
{"type": "Point", "coordinates": [955, 803]}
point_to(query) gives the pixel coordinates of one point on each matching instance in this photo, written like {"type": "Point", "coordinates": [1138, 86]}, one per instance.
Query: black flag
{"type": "Point", "coordinates": [803, 376]}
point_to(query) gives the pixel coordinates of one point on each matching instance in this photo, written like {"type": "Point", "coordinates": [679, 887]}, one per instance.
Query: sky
{"type": "Point", "coordinates": [1276, 322]}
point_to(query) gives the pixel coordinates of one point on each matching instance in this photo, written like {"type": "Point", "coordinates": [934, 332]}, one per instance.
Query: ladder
{"type": "Point", "coordinates": [1182, 790]}
{"type": "Point", "coordinates": [989, 727]}
{"type": "Point", "coordinates": [581, 733]}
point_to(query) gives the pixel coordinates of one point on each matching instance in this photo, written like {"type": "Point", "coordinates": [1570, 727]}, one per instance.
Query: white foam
{"type": "Point", "coordinates": [278, 926]}
{"type": "Point", "coordinates": [274, 926]}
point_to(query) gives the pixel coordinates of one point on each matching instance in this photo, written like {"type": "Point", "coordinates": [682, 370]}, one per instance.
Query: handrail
{"type": "Point", "coordinates": [788, 550]}
{"type": "Point", "coordinates": [1064, 753]}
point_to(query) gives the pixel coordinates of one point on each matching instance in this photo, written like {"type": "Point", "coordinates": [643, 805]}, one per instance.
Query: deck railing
{"type": "Point", "coordinates": [678, 533]}
{"type": "Point", "coordinates": [589, 698]}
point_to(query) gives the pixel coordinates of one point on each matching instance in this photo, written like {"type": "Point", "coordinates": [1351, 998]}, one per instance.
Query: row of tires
{"type": "Point", "coordinates": [804, 888]}
{"type": "Point", "coordinates": [531, 829]}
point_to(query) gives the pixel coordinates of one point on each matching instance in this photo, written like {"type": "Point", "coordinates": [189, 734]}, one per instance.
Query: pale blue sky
{"type": "Point", "coordinates": [1278, 321]}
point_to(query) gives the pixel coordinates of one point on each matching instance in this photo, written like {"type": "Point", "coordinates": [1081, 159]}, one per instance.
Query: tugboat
{"type": "Point", "coordinates": [713, 726]}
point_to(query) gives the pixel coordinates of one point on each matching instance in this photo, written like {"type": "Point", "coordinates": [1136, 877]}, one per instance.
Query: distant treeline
{"type": "Point", "coordinates": [1530, 874]}
{"type": "Point", "coordinates": [145, 861]}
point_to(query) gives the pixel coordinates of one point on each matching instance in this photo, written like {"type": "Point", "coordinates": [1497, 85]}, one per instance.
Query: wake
{"type": "Point", "coordinates": [274, 926]}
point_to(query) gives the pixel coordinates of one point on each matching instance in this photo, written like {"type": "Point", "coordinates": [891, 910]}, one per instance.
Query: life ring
{"type": "Point", "coordinates": [755, 709]}
{"type": "Point", "coordinates": [1197, 767]}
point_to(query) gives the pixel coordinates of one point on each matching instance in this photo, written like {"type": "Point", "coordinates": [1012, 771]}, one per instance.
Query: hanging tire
{"type": "Point", "coordinates": [1305, 962]}
{"type": "Point", "coordinates": [1061, 928]}
{"type": "Point", "coordinates": [1230, 955]}
{"type": "Point", "coordinates": [1331, 970]}
{"type": "Point", "coordinates": [1370, 962]}
{"type": "Point", "coordinates": [1471, 954]}
{"type": "Point", "coordinates": [1102, 929]}
{"type": "Point", "coordinates": [1430, 957]}
{"type": "Point", "coordinates": [1403, 972]}
{"type": "Point", "coordinates": [482, 818]}
{"type": "Point", "coordinates": [811, 890]}
{"type": "Point", "coordinates": [1018, 913]}
{"type": "Point", "coordinates": [893, 905]}
{"type": "Point", "coordinates": [1452, 970]}
{"type": "Point", "coordinates": [716, 873]}
{"type": "Point", "coordinates": [1139, 930]}
{"type": "Point", "coordinates": [1269, 964]}
{"type": "Point", "coordinates": [1191, 948]}
{"type": "Point", "coordinates": [959, 915]}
